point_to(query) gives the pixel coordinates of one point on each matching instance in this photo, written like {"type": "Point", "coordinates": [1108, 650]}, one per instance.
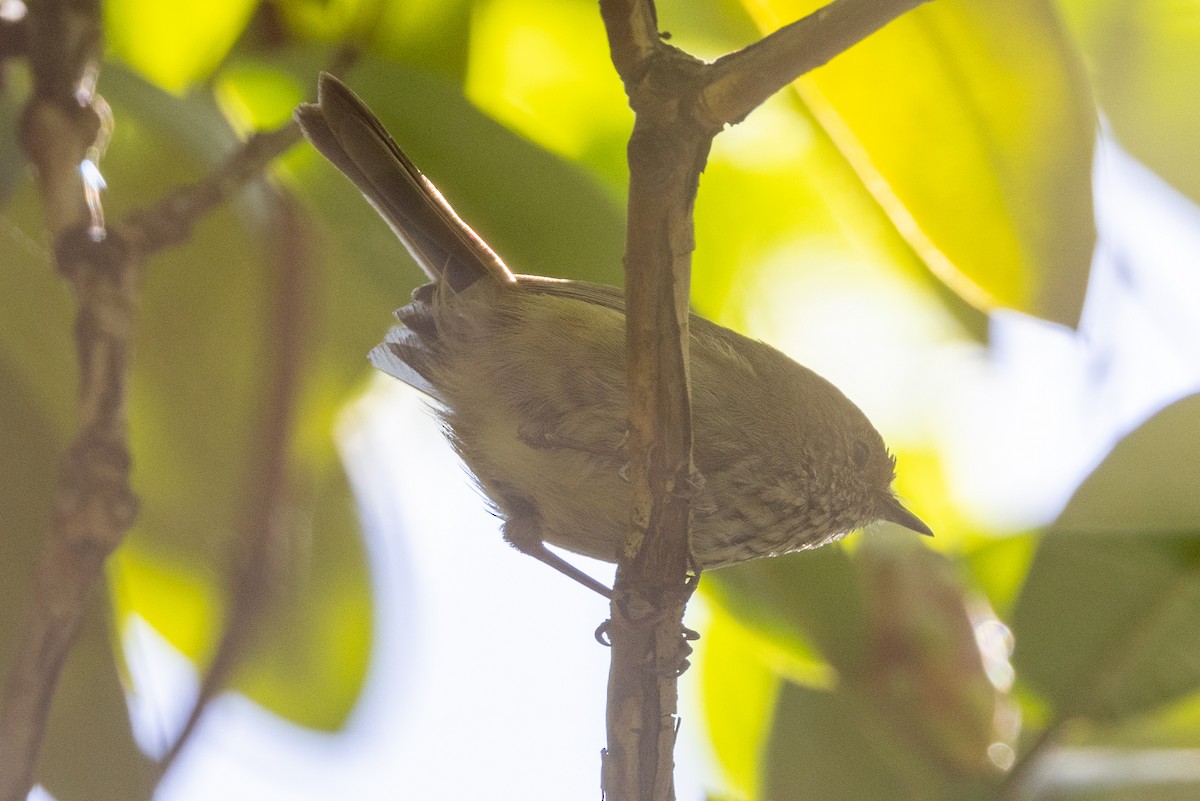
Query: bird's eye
{"type": "Point", "coordinates": [859, 453]}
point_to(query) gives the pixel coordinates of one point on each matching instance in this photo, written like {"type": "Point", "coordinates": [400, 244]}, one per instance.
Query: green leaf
{"type": "Point", "coordinates": [1147, 483]}
{"type": "Point", "coordinates": [924, 668]}
{"type": "Point", "coordinates": [810, 597]}
{"type": "Point", "coordinates": [1105, 625]}
{"type": "Point", "coordinates": [1145, 65]}
{"type": "Point", "coordinates": [998, 568]}
{"type": "Point", "coordinates": [432, 35]}
{"type": "Point", "coordinates": [542, 68]}
{"type": "Point", "coordinates": [969, 122]}
{"type": "Point", "coordinates": [739, 689]}
{"type": "Point", "coordinates": [834, 746]}
{"type": "Point", "coordinates": [1135, 788]}
{"type": "Point", "coordinates": [310, 662]}
{"type": "Point", "coordinates": [174, 44]}
{"type": "Point", "coordinates": [89, 751]}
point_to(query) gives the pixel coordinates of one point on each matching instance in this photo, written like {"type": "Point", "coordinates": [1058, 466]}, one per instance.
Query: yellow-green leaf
{"type": "Point", "coordinates": [739, 691]}
{"type": "Point", "coordinates": [174, 44]}
{"type": "Point", "coordinates": [970, 123]}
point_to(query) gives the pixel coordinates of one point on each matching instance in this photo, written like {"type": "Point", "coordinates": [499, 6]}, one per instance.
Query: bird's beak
{"type": "Point", "coordinates": [894, 512]}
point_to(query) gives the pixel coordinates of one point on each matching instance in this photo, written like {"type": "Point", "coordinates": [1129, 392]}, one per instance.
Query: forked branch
{"type": "Point", "coordinates": [681, 104]}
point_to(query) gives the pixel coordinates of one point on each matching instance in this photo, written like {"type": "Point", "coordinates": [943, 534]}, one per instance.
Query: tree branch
{"type": "Point", "coordinates": [632, 27]}
{"type": "Point", "coordinates": [742, 81]}
{"type": "Point", "coordinates": [257, 564]}
{"type": "Point", "coordinates": [667, 151]}
{"type": "Point", "coordinates": [681, 104]}
{"type": "Point", "coordinates": [65, 124]}
{"type": "Point", "coordinates": [61, 129]}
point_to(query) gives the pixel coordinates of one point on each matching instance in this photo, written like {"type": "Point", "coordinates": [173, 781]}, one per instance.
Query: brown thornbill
{"type": "Point", "coordinates": [529, 374]}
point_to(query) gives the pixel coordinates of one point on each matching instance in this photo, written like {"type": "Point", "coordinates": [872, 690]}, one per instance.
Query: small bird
{"type": "Point", "coordinates": [529, 376]}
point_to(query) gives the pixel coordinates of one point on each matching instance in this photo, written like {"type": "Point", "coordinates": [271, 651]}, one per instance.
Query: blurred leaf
{"type": "Point", "coordinates": [1176, 725]}
{"type": "Point", "coordinates": [969, 123]}
{"type": "Point", "coordinates": [1148, 481]}
{"type": "Point", "coordinates": [924, 665]}
{"type": "Point", "coordinates": [433, 35]}
{"type": "Point", "coordinates": [542, 67]}
{"type": "Point", "coordinates": [29, 447]}
{"type": "Point", "coordinates": [1133, 788]}
{"type": "Point", "coordinates": [174, 44]}
{"type": "Point", "coordinates": [13, 170]}
{"type": "Point", "coordinates": [739, 692]}
{"type": "Point", "coordinates": [813, 596]}
{"type": "Point", "coordinates": [312, 657]}
{"type": "Point", "coordinates": [1105, 625]}
{"type": "Point", "coordinates": [835, 746]}
{"type": "Point", "coordinates": [1145, 65]}
{"type": "Point", "coordinates": [258, 96]}
{"type": "Point", "coordinates": [999, 567]}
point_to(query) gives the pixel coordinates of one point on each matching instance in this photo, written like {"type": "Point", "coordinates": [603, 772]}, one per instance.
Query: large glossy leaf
{"type": "Point", "coordinates": [969, 122]}
{"type": "Point", "coordinates": [1105, 624]}
{"type": "Point", "coordinates": [543, 68]}
{"type": "Point", "coordinates": [1145, 66]}
{"type": "Point", "coordinates": [174, 44]}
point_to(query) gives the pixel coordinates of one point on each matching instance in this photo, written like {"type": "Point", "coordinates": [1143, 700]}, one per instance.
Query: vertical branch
{"type": "Point", "coordinates": [666, 153]}
{"type": "Point", "coordinates": [680, 105]}
{"type": "Point", "coordinates": [62, 131]}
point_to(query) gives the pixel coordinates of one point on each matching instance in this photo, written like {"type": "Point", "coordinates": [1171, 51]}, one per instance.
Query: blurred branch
{"type": "Point", "coordinates": [257, 565]}
{"type": "Point", "coordinates": [259, 548]}
{"type": "Point", "coordinates": [12, 38]}
{"type": "Point", "coordinates": [62, 133]}
{"type": "Point", "coordinates": [171, 220]}
{"type": "Point", "coordinates": [681, 104]}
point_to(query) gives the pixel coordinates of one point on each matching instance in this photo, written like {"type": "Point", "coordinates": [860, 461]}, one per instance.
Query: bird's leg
{"type": "Point", "coordinates": [523, 534]}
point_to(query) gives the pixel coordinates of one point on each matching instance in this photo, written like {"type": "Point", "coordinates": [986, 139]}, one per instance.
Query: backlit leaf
{"type": "Point", "coordinates": [1105, 625]}
{"type": "Point", "coordinates": [969, 122]}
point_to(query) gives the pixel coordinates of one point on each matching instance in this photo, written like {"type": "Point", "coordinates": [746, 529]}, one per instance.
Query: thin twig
{"type": "Point", "coordinates": [258, 564]}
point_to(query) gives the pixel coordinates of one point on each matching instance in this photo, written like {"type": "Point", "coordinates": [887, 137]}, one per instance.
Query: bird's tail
{"type": "Point", "coordinates": [348, 134]}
